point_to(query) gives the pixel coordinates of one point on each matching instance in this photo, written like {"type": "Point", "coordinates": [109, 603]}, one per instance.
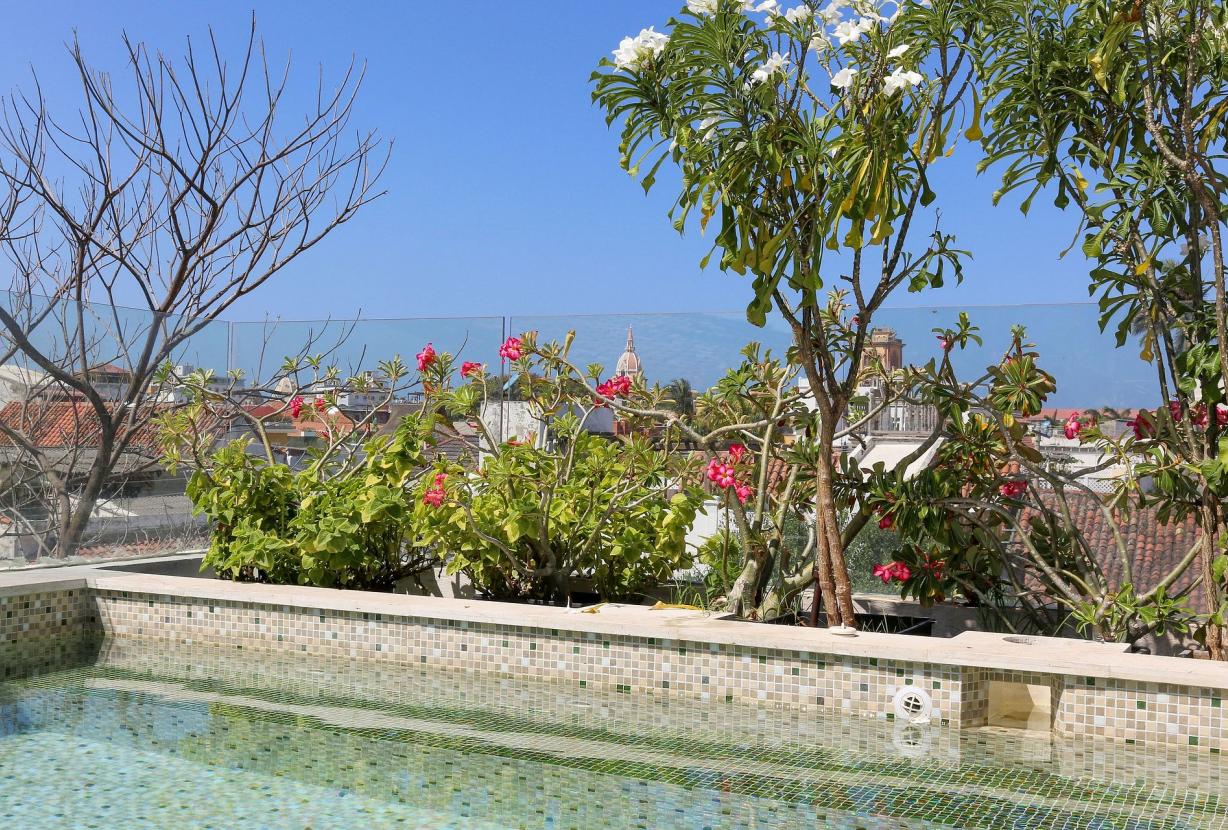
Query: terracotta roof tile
{"type": "Point", "coordinates": [1154, 548]}
{"type": "Point", "coordinates": [72, 423]}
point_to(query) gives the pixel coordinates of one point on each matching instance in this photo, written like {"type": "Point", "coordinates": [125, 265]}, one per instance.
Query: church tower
{"type": "Point", "coordinates": [629, 362]}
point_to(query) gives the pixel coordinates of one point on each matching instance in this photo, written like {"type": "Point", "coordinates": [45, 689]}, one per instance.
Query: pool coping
{"type": "Point", "coordinates": [972, 649]}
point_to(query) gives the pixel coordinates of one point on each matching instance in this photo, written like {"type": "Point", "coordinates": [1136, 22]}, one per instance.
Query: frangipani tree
{"type": "Point", "coordinates": [808, 133]}
{"type": "Point", "coordinates": [1118, 110]}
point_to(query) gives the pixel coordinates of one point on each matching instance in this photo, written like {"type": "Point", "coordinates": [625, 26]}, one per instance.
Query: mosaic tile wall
{"type": "Point", "coordinates": [44, 631]}
{"type": "Point", "coordinates": [631, 665]}
{"type": "Point", "coordinates": [1145, 713]}
{"type": "Point", "coordinates": [565, 708]}
{"type": "Point", "coordinates": [37, 631]}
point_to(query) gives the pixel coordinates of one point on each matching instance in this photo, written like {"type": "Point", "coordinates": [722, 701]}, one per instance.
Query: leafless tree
{"type": "Point", "coordinates": [178, 187]}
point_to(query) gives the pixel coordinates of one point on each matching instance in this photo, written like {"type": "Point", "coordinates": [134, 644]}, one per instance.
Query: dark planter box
{"type": "Point", "coordinates": [878, 623]}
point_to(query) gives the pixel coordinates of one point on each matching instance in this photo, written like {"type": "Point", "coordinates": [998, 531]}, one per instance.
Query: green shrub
{"type": "Point", "coordinates": [335, 524]}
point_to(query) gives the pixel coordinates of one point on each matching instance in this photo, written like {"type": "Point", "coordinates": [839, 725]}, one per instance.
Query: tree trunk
{"type": "Point", "coordinates": [1212, 529]}
{"type": "Point", "coordinates": [840, 591]}
{"type": "Point", "coordinates": [743, 597]}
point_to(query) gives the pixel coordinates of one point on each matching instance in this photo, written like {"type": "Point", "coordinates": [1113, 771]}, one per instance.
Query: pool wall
{"type": "Point", "coordinates": [1095, 689]}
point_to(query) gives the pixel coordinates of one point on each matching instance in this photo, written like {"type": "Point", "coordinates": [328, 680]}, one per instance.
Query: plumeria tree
{"type": "Point", "coordinates": [808, 134]}
{"type": "Point", "coordinates": [750, 440]}
{"type": "Point", "coordinates": [1116, 110]}
{"type": "Point", "coordinates": [993, 521]}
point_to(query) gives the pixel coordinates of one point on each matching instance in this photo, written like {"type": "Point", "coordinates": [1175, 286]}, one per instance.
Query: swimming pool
{"type": "Point", "coordinates": [142, 735]}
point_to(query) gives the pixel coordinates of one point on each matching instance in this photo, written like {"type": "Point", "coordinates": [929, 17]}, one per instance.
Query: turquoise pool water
{"type": "Point", "coordinates": [142, 737]}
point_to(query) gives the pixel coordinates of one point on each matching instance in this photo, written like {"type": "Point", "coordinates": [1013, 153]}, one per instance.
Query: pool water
{"type": "Point", "coordinates": [141, 736]}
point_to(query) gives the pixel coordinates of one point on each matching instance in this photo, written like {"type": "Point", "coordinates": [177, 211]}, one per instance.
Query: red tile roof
{"type": "Point", "coordinates": [1154, 548]}
{"type": "Point", "coordinates": [60, 423]}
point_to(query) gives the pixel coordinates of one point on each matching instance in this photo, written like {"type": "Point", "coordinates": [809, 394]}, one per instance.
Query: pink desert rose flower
{"type": "Point", "coordinates": [944, 342]}
{"type": "Point", "coordinates": [1198, 415]}
{"type": "Point", "coordinates": [510, 349]}
{"type": "Point", "coordinates": [737, 452]}
{"type": "Point", "coordinates": [743, 492]}
{"type": "Point", "coordinates": [1175, 409]}
{"type": "Point", "coordinates": [1142, 426]}
{"type": "Point", "coordinates": [470, 369]}
{"type": "Point", "coordinates": [1013, 489]}
{"type": "Point", "coordinates": [1221, 414]}
{"type": "Point", "coordinates": [296, 406]}
{"type": "Point", "coordinates": [320, 404]}
{"type": "Point", "coordinates": [615, 387]}
{"type": "Point", "coordinates": [1073, 427]}
{"type": "Point", "coordinates": [721, 475]}
{"type": "Point", "coordinates": [892, 571]}
{"type": "Point", "coordinates": [886, 522]}
{"type": "Point", "coordinates": [426, 357]}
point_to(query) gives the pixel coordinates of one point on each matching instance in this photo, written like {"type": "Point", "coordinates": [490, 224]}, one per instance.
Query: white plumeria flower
{"type": "Point", "coordinates": [844, 78]}
{"type": "Point", "coordinates": [901, 79]}
{"type": "Point", "coordinates": [831, 12]}
{"type": "Point", "coordinates": [766, 6]}
{"type": "Point", "coordinates": [799, 14]}
{"type": "Point", "coordinates": [702, 6]}
{"type": "Point", "coordinates": [632, 51]}
{"type": "Point", "coordinates": [707, 127]}
{"type": "Point", "coordinates": [899, 50]}
{"type": "Point", "coordinates": [819, 42]}
{"type": "Point", "coordinates": [776, 63]}
{"type": "Point", "coordinates": [849, 31]}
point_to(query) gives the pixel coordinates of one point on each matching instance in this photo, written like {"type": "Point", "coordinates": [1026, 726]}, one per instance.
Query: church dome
{"type": "Point", "coordinates": [629, 362]}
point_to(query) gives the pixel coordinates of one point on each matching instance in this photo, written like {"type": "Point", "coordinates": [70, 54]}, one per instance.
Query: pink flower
{"type": "Point", "coordinates": [1221, 414]}
{"type": "Point", "coordinates": [615, 387]}
{"type": "Point", "coordinates": [440, 478]}
{"type": "Point", "coordinates": [1198, 415]}
{"type": "Point", "coordinates": [1175, 409]}
{"type": "Point", "coordinates": [296, 406]}
{"type": "Point", "coordinates": [470, 369]}
{"type": "Point", "coordinates": [426, 357]}
{"type": "Point", "coordinates": [737, 452]}
{"type": "Point", "coordinates": [1142, 426]}
{"type": "Point", "coordinates": [743, 492]}
{"type": "Point", "coordinates": [886, 522]}
{"type": "Point", "coordinates": [721, 475]}
{"type": "Point", "coordinates": [434, 496]}
{"type": "Point", "coordinates": [1013, 489]}
{"type": "Point", "coordinates": [892, 571]}
{"type": "Point", "coordinates": [320, 404]}
{"type": "Point", "coordinates": [856, 321]}
{"type": "Point", "coordinates": [510, 349]}
{"type": "Point", "coordinates": [945, 343]}
{"type": "Point", "coordinates": [605, 393]}
{"type": "Point", "coordinates": [1073, 426]}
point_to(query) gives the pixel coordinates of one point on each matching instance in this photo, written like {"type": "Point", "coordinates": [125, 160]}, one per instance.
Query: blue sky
{"type": "Point", "coordinates": [505, 195]}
